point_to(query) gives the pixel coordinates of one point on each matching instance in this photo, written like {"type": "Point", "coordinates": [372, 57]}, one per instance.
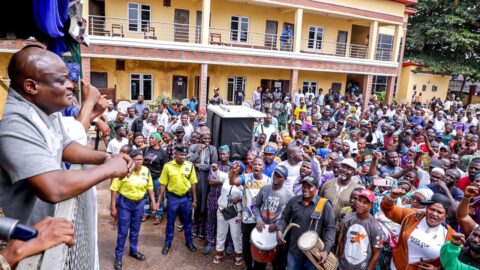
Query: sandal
{"type": "Point", "coordinates": [157, 221]}
{"type": "Point", "coordinates": [238, 260]}
{"type": "Point", "coordinates": [218, 257]}
{"type": "Point", "coordinates": [145, 217]}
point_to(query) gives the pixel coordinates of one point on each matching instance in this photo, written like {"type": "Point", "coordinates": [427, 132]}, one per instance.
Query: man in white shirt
{"type": "Point", "coordinates": [267, 127]}
{"type": "Point", "coordinates": [116, 144]}
{"type": "Point", "coordinates": [186, 126]}
{"type": "Point", "coordinates": [110, 113]}
{"type": "Point", "coordinates": [163, 117]}
{"type": "Point", "coordinates": [439, 122]}
{"type": "Point", "coordinates": [293, 164]}
{"type": "Point", "coordinates": [299, 95]}
{"type": "Point", "coordinates": [130, 117]}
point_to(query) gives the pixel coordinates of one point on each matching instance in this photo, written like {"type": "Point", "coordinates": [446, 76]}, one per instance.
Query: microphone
{"type": "Point", "coordinates": [11, 229]}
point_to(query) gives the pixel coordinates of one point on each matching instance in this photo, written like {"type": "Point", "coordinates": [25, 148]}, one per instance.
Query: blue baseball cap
{"type": "Point", "coordinates": [269, 150]}
{"type": "Point", "coordinates": [281, 170]}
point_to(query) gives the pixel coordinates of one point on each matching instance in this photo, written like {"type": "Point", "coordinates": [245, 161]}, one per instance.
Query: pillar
{"type": "Point", "coordinates": [86, 69]}
{"type": "Point", "coordinates": [366, 90]}
{"type": "Point", "coordinates": [293, 82]}
{"type": "Point", "coordinates": [205, 21]}
{"type": "Point", "coordinates": [297, 38]}
{"type": "Point", "coordinates": [202, 99]}
{"type": "Point", "coordinates": [372, 46]}
{"type": "Point", "coordinates": [390, 88]}
{"type": "Point", "coordinates": [396, 43]}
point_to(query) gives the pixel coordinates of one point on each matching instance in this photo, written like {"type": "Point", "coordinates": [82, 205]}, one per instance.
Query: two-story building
{"type": "Point", "coordinates": [185, 48]}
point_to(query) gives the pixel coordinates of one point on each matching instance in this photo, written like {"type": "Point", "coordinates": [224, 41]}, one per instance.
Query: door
{"type": "Point", "coordinates": [341, 48]}
{"type": "Point", "coordinates": [179, 87]}
{"type": "Point", "coordinates": [99, 79]}
{"type": "Point", "coordinates": [198, 28]}
{"type": "Point", "coordinates": [181, 23]}
{"type": "Point", "coordinates": [271, 35]}
{"type": "Point", "coordinates": [336, 87]}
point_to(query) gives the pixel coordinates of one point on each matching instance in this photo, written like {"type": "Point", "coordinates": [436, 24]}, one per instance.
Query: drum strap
{"type": "Point", "coordinates": [317, 213]}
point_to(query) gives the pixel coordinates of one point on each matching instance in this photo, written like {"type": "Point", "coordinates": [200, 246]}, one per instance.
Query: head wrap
{"type": "Point", "coordinates": [426, 192]}
{"type": "Point", "coordinates": [73, 71]}
{"type": "Point", "coordinates": [156, 135]}
{"type": "Point", "coordinates": [440, 170]}
{"type": "Point", "coordinates": [224, 149]}
{"type": "Point", "coordinates": [287, 140]}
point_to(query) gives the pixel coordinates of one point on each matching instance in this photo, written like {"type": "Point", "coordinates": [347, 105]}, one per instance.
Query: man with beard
{"type": "Point", "coordinates": [338, 190]}
{"type": "Point", "coordinates": [293, 163]}
{"type": "Point", "coordinates": [473, 169]}
{"type": "Point", "coordinates": [337, 147]}
{"type": "Point", "coordinates": [269, 205]}
{"type": "Point", "coordinates": [260, 143]}
{"type": "Point", "coordinates": [305, 170]}
{"type": "Point", "coordinates": [301, 210]}
{"type": "Point", "coordinates": [446, 186]}
{"type": "Point", "coordinates": [202, 155]}
{"type": "Point", "coordinates": [269, 159]}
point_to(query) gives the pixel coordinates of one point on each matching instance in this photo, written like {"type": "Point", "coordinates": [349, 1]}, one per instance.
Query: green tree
{"type": "Point", "coordinates": [444, 35]}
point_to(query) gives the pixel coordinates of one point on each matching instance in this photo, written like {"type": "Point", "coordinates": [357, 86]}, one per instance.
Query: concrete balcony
{"type": "Point", "coordinates": [220, 39]}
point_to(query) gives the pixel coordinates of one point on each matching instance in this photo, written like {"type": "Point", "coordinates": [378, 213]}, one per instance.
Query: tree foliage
{"type": "Point", "coordinates": [445, 36]}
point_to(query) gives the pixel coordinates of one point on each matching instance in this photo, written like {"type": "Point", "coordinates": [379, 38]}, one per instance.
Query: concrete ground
{"type": "Point", "coordinates": [151, 242]}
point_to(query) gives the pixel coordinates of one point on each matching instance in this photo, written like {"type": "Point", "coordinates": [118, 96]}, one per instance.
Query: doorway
{"type": "Point", "coordinates": [341, 48]}
{"type": "Point", "coordinates": [179, 87]}
{"type": "Point", "coordinates": [286, 39]}
{"type": "Point", "coordinates": [359, 42]}
{"type": "Point", "coordinates": [181, 23]}
{"type": "Point", "coordinates": [271, 29]}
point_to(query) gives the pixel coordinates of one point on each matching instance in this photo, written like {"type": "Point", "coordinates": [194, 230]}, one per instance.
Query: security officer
{"type": "Point", "coordinates": [128, 206]}
{"type": "Point", "coordinates": [178, 176]}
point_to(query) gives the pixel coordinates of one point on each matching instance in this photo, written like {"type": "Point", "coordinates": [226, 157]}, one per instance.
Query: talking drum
{"type": "Point", "coordinates": [312, 245]}
{"type": "Point", "coordinates": [263, 245]}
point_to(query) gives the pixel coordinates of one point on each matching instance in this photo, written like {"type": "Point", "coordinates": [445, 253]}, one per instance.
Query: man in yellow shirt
{"type": "Point", "coordinates": [300, 109]}
{"type": "Point", "coordinates": [128, 206]}
{"type": "Point", "coordinates": [178, 176]}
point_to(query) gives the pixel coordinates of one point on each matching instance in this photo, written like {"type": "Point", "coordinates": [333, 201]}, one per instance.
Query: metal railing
{"type": "Point", "coordinates": [141, 29]}
{"type": "Point", "coordinates": [174, 32]}
{"type": "Point", "coordinates": [81, 211]}
{"type": "Point", "coordinates": [334, 48]}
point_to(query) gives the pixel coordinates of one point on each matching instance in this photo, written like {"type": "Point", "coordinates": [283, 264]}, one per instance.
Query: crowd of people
{"type": "Point", "coordinates": [398, 184]}
{"type": "Point", "coordinates": [384, 186]}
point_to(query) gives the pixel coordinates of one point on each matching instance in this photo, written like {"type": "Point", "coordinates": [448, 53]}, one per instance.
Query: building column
{"type": "Point", "coordinates": [293, 82]}
{"type": "Point", "coordinates": [372, 44]}
{"type": "Point", "coordinates": [205, 21]}
{"type": "Point", "coordinates": [389, 90]}
{"type": "Point", "coordinates": [202, 99]}
{"type": "Point", "coordinates": [297, 38]}
{"type": "Point", "coordinates": [396, 43]}
{"type": "Point", "coordinates": [366, 90]}
{"type": "Point", "coordinates": [86, 69]}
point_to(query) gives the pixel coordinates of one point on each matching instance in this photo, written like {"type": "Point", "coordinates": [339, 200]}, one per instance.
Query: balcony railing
{"type": "Point", "coordinates": [81, 211]}
{"type": "Point", "coordinates": [334, 48]}
{"type": "Point", "coordinates": [174, 32]}
{"type": "Point", "coordinates": [116, 27]}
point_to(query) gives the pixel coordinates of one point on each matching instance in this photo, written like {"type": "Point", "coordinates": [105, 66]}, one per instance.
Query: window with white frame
{"type": "Point", "coordinates": [384, 47]}
{"type": "Point", "coordinates": [315, 37]}
{"type": "Point", "coordinates": [239, 29]}
{"type": "Point", "coordinates": [138, 17]}
{"type": "Point", "coordinates": [141, 84]}
{"type": "Point", "coordinates": [434, 88]}
{"type": "Point", "coordinates": [309, 85]}
{"type": "Point", "coordinates": [234, 85]}
{"type": "Point", "coordinates": [379, 84]}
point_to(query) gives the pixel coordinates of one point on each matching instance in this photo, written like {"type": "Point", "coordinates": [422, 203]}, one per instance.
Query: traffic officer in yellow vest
{"type": "Point", "coordinates": [179, 178]}
{"type": "Point", "coordinates": [128, 206]}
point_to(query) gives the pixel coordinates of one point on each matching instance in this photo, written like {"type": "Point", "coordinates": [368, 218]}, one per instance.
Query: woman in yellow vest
{"type": "Point", "coordinates": [128, 206]}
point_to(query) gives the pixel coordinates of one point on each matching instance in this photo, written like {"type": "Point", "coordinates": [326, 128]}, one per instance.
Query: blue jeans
{"type": "Point", "coordinates": [129, 215]}
{"type": "Point", "coordinates": [299, 264]}
{"type": "Point", "coordinates": [183, 207]}
{"type": "Point", "coordinates": [156, 191]}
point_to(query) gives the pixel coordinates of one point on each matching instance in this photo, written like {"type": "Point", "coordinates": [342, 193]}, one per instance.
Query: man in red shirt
{"type": "Point", "coordinates": [473, 170]}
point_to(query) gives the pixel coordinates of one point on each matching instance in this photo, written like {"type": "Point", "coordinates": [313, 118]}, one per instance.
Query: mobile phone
{"type": "Point", "coordinates": [385, 182]}
{"type": "Point", "coordinates": [367, 152]}
{"type": "Point", "coordinates": [421, 260]}
{"type": "Point", "coordinates": [370, 146]}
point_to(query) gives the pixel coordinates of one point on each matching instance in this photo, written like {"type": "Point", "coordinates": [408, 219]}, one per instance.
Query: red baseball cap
{"type": "Point", "coordinates": [367, 193]}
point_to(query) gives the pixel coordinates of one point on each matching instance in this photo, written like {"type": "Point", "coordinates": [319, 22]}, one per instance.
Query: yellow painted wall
{"type": "Point", "coordinates": [162, 72]}
{"type": "Point", "coordinates": [4, 84]}
{"type": "Point", "coordinates": [218, 75]}
{"type": "Point", "coordinates": [410, 78]}
{"type": "Point", "coordinates": [383, 6]}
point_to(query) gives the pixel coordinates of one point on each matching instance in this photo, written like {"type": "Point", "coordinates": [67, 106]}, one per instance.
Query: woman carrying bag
{"type": "Point", "coordinates": [228, 216]}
